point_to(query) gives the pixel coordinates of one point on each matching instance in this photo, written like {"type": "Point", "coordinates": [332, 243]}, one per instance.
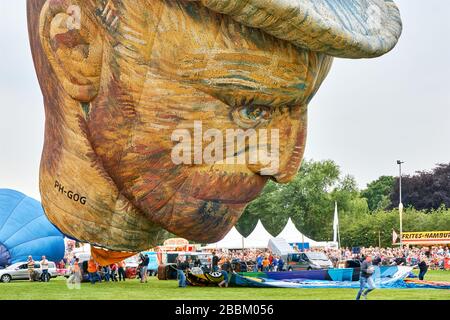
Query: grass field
{"type": "Point", "coordinates": [168, 290]}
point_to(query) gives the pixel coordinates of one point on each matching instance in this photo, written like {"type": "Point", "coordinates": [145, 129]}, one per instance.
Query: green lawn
{"type": "Point", "coordinates": [167, 290]}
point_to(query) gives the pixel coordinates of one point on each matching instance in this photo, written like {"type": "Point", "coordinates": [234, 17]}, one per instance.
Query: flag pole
{"type": "Point", "coordinates": [339, 236]}
{"type": "Point", "coordinates": [336, 228]}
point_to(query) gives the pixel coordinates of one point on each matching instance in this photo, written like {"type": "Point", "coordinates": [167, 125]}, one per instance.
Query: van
{"type": "Point", "coordinates": [308, 261]}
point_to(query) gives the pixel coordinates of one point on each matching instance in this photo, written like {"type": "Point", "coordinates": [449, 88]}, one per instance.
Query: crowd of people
{"type": "Point", "coordinates": [265, 260]}
{"type": "Point", "coordinates": [95, 273]}
{"type": "Point", "coordinates": [260, 260]}
{"type": "Point", "coordinates": [255, 260]}
{"type": "Point", "coordinates": [408, 256]}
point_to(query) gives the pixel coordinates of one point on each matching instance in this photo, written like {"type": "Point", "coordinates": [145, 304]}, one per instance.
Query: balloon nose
{"type": "Point", "coordinates": [289, 172]}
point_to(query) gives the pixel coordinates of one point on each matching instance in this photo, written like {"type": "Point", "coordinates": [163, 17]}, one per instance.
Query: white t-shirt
{"type": "Point", "coordinates": [44, 264]}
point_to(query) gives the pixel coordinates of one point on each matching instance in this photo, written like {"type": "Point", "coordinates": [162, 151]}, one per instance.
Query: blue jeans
{"type": "Point", "coordinates": [181, 278]}
{"type": "Point", "coordinates": [363, 281]}
{"type": "Point", "coordinates": [44, 275]}
{"type": "Point", "coordinates": [107, 274]}
{"type": "Point", "coordinates": [94, 276]}
{"type": "Point", "coordinates": [143, 274]}
{"type": "Point", "coordinates": [422, 274]}
{"type": "Point", "coordinates": [225, 276]}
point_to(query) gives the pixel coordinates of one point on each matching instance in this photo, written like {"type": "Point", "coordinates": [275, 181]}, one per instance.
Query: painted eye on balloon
{"type": "Point", "coordinates": [251, 116]}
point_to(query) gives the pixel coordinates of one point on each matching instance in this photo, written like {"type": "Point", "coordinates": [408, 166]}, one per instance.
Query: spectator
{"type": "Point", "coordinates": [144, 267]}
{"type": "Point", "coordinates": [107, 273]}
{"type": "Point", "coordinates": [44, 267]}
{"type": "Point", "coordinates": [274, 264]}
{"type": "Point", "coordinates": [182, 269]}
{"type": "Point", "coordinates": [76, 273]}
{"type": "Point", "coordinates": [259, 262]}
{"type": "Point", "coordinates": [423, 267]}
{"type": "Point", "coordinates": [215, 262]}
{"type": "Point", "coordinates": [30, 264]}
{"type": "Point", "coordinates": [266, 264]}
{"type": "Point", "coordinates": [121, 271]}
{"type": "Point", "coordinates": [114, 272]}
{"type": "Point", "coordinates": [92, 270]}
{"type": "Point", "coordinates": [226, 266]}
{"type": "Point", "coordinates": [280, 264]}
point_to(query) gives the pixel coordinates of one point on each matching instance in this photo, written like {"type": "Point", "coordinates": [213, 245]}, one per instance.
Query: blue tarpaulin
{"type": "Point", "coordinates": [389, 277]}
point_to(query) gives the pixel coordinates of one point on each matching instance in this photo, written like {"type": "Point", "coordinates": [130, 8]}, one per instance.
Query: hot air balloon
{"type": "Point", "coordinates": [131, 87]}
{"type": "Point", "coordinates": [25, 230]}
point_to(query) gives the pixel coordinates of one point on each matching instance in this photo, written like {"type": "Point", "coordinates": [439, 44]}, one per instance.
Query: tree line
{"type": "Point", "coordinates": [367, 216]}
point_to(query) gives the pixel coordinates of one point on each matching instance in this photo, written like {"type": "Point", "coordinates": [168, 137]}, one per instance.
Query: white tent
{"type": "Point", "coordinates": [291, 234]}
{"type": "Point", "coordinates": [259, 238]}
{"type": "Point", "coordinates": [233, 240]}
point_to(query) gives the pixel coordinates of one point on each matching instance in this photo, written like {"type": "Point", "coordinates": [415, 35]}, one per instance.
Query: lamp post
{"type": "Point", "coordinates": [400, 204]}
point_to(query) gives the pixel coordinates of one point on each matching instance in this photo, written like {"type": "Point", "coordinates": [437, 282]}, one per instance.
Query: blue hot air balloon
{"type": "Point", "coordinates": [25, 230]}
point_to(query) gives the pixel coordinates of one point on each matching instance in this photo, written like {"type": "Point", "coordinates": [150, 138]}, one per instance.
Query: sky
{"type": "Point", "coordinates": [368, 113]}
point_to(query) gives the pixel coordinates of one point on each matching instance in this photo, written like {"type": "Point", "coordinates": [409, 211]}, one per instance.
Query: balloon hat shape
{"type": "Point", "coordinates": [25, 230]}
{"type": "Point", "coordinates": [137, 91]}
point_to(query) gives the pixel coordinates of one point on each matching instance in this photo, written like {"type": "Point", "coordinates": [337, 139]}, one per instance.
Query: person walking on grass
{"type": "Point", "coordinates": [423, 267]}
{"type": "Point", "coordinates": [365, 278]}
{"type": "Point", "coordinates": [76, 272]}
{"type": "Point", "coordinates": [144, 261]}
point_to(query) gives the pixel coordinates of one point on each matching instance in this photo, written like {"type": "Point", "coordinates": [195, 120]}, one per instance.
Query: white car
{"type": "Point", "coordinates": [19, 271]}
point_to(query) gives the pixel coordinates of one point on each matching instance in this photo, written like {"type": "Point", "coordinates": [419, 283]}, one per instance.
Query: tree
{"type": "Point", "coordinates": [267, 208]}
{"type": "Point", "coordinates": [378, 193]}
{"type": "Point", "coordinates": [308, 200]}
{"type": "Point", "coordinates": [364, 230]}
{"type": "Point", "coordinates": [424, 190]}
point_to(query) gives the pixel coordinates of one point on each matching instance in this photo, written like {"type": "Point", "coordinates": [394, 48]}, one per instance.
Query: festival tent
{"type": "Point", "coordinates": [259, 238]}
{"type": "Point", "coordinates": [233, 240]}
{"type": "Point", "coordinates": [25, 230]}
{"type": "Point", "coordinates": [291, 234]}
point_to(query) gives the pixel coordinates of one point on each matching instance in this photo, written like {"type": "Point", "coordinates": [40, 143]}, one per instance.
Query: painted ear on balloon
{"type": "Point", "coordinates": [73, 44]}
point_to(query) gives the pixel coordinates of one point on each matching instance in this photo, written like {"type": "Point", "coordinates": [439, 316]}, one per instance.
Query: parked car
{"type": "Point", "coordinates": [19, 271]}
{"type": "Point", "coordinates": [308, 261]}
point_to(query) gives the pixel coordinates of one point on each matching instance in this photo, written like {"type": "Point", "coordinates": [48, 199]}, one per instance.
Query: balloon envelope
{"type": "Point", "coordinates": [25, 230]}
